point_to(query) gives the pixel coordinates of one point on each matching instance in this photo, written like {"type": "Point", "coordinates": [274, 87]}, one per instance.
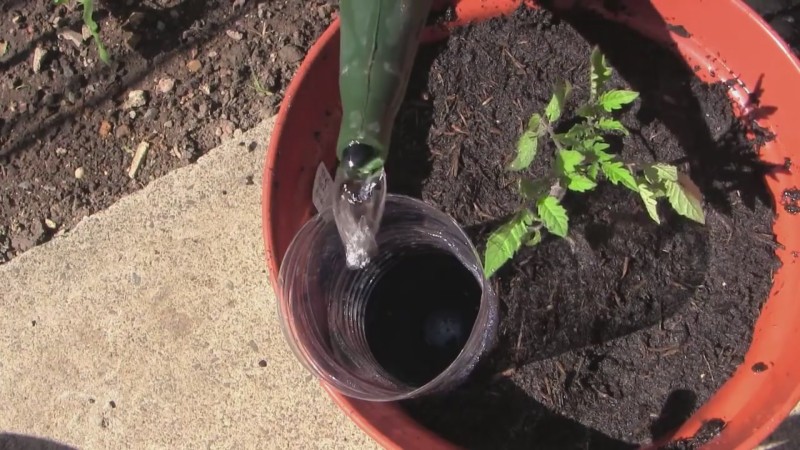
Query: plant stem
{"type": "Point", "coordinates": [553, 138]}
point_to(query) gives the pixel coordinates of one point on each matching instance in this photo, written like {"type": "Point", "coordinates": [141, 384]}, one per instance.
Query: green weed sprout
{"type": "Point", "coordinates": [581, 161]}
{"type": "Point", "coordinates": [94, 29]}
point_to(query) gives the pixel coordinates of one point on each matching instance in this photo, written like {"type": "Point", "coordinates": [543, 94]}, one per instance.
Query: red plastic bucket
{"type": "Point", "coordinates": [725, 38]}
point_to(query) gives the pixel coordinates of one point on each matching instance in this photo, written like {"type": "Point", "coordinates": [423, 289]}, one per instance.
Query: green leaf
{"type": "Point", "coordinates": [535, 239]}
{"type": "Point", "coordinates": [588, 111]}
{"type": "Point", "coordinates": [566, 160]}
{"type": "Point", "coordinates": [656, 173]}
{"type": "Point", "coordinates": [535, 124]}
{"type": "Point", "coordinates": [579, 131]}
{"type": "Point", "coordinates": [556, 105]}
{"type": "Point", "coordinates": [598, 147]}
{"type": "Point", "coordinates": [553, 216]}
{"type": "Point", "coordinates": [566, 140]}
{"type": "Point", "coordinates": [580, 183]}
{"type": "Point", "coordinates": [650, 202]}
{"type": "Point", "coordinates": [603, 156]}
{"type": "Point", "coordinates": [532, 189]}
{"type": "Point", "coordinates": [504, 242]}
{"type": "Point", "coordinates": [607, 124]}
{"type": "Point", "coordinates": [616, 99]}
{"type": "Point", "coordinates": [684, 203]}
{"type": "Point", "coordinates": [601, 72]}
{"type": "Point", "coordinates": [527, 146]}
{"type": "Point", "coordinates": [593, 170]}
{"type": "Point", "coordinates": [618, 173]}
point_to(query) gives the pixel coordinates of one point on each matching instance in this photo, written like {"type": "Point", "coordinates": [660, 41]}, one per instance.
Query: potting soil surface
{"type": "Point", "coordinates": [616, 335]}
{"type": "Point", "coordinates": [184, 76]}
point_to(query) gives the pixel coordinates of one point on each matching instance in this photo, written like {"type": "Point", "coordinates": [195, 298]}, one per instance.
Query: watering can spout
{"type": "Point", "coordinates": [379, 41]}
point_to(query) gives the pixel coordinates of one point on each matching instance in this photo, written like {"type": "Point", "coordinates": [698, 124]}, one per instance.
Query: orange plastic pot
{"type": "Point", "coordinates": [729, 42]}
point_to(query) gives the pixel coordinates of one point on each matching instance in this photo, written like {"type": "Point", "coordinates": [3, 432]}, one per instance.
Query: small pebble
{"type": "Point", "coordinates": [194, 66]}
{"type": "Point", "coordinates": [136, 99]}
{"type": "Point", "coordinates": [290, 54]}
{"type": "Point", "coordinates": [165, 85]}
{"type": "Point", "coordinates": [79, 173]}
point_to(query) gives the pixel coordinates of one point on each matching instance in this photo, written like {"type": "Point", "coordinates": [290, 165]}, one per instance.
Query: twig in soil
{"type": "Point", "coordinates": [625, 267]}
{"type": "Point", "coordinates": [519, 336]}
{"type": "Point", "coordinates": [504, 374]}
{"type": "Point", "coordinates": [710, 372]}
{"type": "Point", "coordinates": [455, 157]}
{"type": "Point", "coordinates": [487, 101]}
{"type": "Point", "coordinates": [481, 213]}
{"type": "Point", "coordinates": [561, 370]}
{"type": "Point", "coordinates": [601, 394]}
{"type": "Point", "coordinates": [671, 349]}
{"type": "Point", "coordinates": [463, 121]}
{"type": "Point", "coordinates": [459, 130]}
{"type": "Point", "coordinates": [138, 158]}
{"type": "Point", "coordinates": [617, 299]}
{"type": "Point", "coordinates": [514, 61]}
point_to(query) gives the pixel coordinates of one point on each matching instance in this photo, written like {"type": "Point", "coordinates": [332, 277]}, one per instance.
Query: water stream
{"type": "Point", "coordinates": [357, 209]}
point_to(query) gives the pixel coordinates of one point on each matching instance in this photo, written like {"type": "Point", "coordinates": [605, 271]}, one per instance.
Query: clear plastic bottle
{"type": "Point", "coordinates": [322, 302]}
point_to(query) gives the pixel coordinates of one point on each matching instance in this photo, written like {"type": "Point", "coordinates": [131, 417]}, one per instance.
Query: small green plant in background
{"type": "Point", "coordinates": [581, 161]}
{"type": "Point", "coordinates": [94, 29]}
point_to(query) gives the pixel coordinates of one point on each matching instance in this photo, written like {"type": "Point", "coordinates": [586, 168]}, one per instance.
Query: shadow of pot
{"type": "Point", "coordinates": [728, 42]}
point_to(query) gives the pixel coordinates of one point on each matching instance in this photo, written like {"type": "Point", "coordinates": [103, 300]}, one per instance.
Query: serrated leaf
{"type": "Point", "coordinates": [616, 99]}
{"type": "Point", "coordinates": [607, 124]}
{"type": "Point", "coordinates": [535, 124]}
{"type": "Point", "coordinates": [504, 242]}
{"type": "Point", "coordinates": [553, 216]}
{"type": "Point", "coordinates": [527, 146]}
{"type": "Point", "coordinates": [579, 130]}
{"type": "Point", "coordinates": [532, 189]}
{"type": "Point", "coordinates": [650, 202]}
{"type": "Point", "coordinates": [580, 183]}
{"type": "Point", "coordinates": [566, 140]}
{"type": "Point", "coordinates": [603, 156]}
{"type": "Point", "coordinates": [601, 72]}
{"type": "Point", "coordinates": [684, 203]}
{"type": "Point", "coordinates": [566, 160]}
{"type": "Point", "coordinates": [599, 147]}
{"type": "Point", "coordinates": [535, 239]}
{"type": "Point", "coordinates": [618, 173]}
{"type": "Point", "coordinates": [557, 101]}
{"type": "Point", "coordinates": [656, 173]}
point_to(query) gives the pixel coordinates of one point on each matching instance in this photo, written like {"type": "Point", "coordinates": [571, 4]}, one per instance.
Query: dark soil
{"type": "Point", "coordinates": [614, 336]}
{"type": "Point", "coordinates": [72, 114]}
{"type": "Point", "coordinates": [415, 330]}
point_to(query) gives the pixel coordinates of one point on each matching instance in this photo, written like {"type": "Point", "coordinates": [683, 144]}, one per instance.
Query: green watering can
{"type": "Point", "coordinates": [379, 41]}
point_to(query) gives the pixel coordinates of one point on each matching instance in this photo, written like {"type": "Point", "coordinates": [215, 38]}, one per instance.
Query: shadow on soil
{"type": "Point", "coordinates": [411, 129]}
{"type": "Point", "coordinates": [10, 441]}
{"type": "Point", "coordinates": [159, 47]}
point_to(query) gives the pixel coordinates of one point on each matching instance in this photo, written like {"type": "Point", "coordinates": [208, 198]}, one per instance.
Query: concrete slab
{"type": "Point", "coordinates": [152, 325]}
